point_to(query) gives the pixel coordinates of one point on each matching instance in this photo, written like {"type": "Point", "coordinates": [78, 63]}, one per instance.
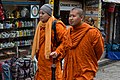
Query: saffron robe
{"type": "Point", "coordinates": [87, 47]}
{"type": "Point", "coordinates": [44, 71]}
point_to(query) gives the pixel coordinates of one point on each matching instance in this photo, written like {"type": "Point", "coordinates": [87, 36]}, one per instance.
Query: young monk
{"type": "Point", "coordinates": [44, 44]}
{"type": "Point", "coordinates": [87, 47]}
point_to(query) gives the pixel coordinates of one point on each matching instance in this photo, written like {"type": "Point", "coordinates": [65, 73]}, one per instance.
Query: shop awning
{"type": "Point", "coordinates": [20, 2]}
{"type": "Point", "coordinates": [112, 1]}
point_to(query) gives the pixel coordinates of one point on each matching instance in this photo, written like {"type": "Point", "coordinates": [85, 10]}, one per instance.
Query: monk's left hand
{"type": "Point", "coordinates": [53, 54]}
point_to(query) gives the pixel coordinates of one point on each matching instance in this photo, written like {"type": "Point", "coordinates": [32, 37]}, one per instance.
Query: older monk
{"type": "Point", "coordinates": [44, 44]}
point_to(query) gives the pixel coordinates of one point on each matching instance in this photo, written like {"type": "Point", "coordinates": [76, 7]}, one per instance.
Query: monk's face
{"type": "Point", "coordinates": [44, 16]}
{"type": "Point", "coordinates": [75, 18]}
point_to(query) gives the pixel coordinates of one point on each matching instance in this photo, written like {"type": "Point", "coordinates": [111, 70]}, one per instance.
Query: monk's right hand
{"type": "Point", "coordinates": [53, 54]}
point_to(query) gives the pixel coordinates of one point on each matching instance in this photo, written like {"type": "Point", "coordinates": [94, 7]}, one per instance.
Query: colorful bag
{"type": "Point", "coordinates": [22, 68]}
{"type": "Point", "coordinates": [6, 71]}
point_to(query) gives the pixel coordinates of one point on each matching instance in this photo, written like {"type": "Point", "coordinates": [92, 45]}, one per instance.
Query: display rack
{"type": "Point", "coordinates": [16, 31]}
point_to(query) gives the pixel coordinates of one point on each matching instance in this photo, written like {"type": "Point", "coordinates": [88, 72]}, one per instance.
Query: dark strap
{"type": "Point", "coordinates": [53, 67]}
{"type": "Point", "coordinates": [54, 28]}
{"type": "Point", "coordinates": [55, 39]}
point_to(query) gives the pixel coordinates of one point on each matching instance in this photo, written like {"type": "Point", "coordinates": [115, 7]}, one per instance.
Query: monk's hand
{"type": "Point", "coordinates": [53, 54]}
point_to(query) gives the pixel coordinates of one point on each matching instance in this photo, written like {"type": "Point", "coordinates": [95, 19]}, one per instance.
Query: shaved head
{"type": "Point", "coordinates": [80, 11]}
{"type": "Point", "coordinates": [76, 17]}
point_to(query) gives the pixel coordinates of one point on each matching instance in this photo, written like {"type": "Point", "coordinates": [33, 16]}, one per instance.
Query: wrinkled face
{"type": "Point", "coordinates": [74, 18]}
{"type": "Point", "coordinates": [43, 16]}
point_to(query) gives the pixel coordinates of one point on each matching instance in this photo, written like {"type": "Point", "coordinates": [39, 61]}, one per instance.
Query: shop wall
{"type": "Point", "coordinates": [117, 24]}
{"type": "Point", "coordinates": [65, 7]}
{"type": "Point", "coordinates": [92, 11]}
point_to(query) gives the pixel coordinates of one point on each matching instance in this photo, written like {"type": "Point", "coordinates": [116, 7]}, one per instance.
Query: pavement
{"type": "Point", "coordinates": [108, 70]}
{"type": "Point", "coordinates": [103, 61]}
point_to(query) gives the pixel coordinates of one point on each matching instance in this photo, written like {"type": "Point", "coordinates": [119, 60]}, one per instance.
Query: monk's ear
{"type": "Point", "coordinates": [82, 17]}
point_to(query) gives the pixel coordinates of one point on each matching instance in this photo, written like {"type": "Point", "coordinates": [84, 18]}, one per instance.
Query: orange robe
{"type": "Point", "coordinates": [81, 60]}
{"type": "Point", "coordinates": [44, 71]}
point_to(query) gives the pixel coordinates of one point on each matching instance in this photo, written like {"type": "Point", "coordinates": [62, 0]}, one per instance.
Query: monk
{"type": "Point", "coordinates": [44, 44]}
{"type": "Point", "coordinates": [80, 62]}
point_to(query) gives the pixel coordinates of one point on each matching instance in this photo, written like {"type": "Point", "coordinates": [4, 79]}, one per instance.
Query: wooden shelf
{"type": "Point", "coordinates": [6, 56]}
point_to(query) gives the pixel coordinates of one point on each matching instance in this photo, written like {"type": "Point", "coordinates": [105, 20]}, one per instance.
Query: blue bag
{"type": "Point", "coordinates": [6, 71]}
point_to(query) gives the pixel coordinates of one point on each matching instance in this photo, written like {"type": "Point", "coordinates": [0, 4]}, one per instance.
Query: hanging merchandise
{"type": "Point", "coordinates": [111, 7]}
{"type": "Point", "coordinates": [2, 16]}
{"type": "Point", "coordinates": [16, 35]}
{"type": "Point", "coordinates": [18, 69]}
{"type": "Point", "coordinates": [24, 12]}
{"type": "Point", "coordinates": [6, 72]}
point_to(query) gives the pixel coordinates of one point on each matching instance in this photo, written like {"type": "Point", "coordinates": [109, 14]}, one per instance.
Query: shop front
{"type": "Point", "coordinates": [18, 27]}
{"type": "Point", "coordinates": [112, 28]}
{"type": "Point", "coordinates": [65, 8]}
{"type": "Point", "coordinates": [18, 19]}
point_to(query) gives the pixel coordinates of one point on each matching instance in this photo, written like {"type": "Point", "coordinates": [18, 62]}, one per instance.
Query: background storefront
{"type": "Point", "coordinates": [16, 36]}
{"type": "Point", "coordinates": [65, 8]}
{"type": "Point", "coordinates": [112, 28]}
{"type": "Point", "coordinates": [18, 27]}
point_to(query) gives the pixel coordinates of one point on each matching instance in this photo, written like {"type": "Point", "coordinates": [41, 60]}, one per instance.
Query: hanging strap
{"type": "Point", "coordinates": [54, 28]}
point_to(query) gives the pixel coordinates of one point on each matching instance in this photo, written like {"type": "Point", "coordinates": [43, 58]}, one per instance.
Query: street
{"type": "Point", "coordinates": [109, 70]}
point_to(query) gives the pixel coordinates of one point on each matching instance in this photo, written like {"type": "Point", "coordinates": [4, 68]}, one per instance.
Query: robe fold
{"type": "Point", "coordinates": [87, 47]}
